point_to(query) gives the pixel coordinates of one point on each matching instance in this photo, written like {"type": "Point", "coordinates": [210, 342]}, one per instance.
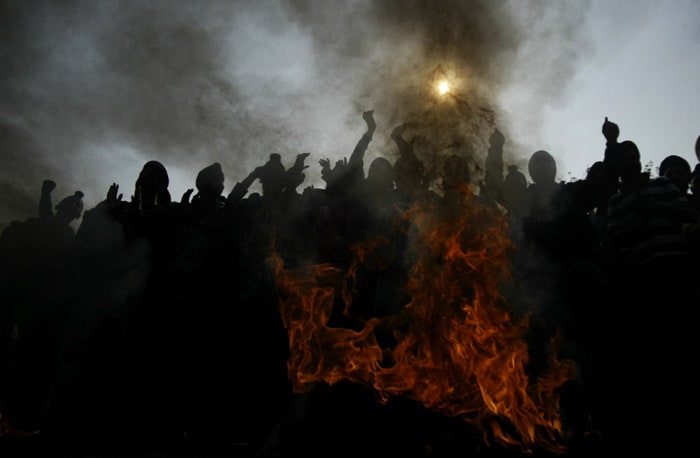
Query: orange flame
{"type": "Point", "coordinates": [456, 349]}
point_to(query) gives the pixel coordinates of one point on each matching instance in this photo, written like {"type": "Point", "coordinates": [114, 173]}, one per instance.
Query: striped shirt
{"type": "Point", "coordinates": [644, 224]}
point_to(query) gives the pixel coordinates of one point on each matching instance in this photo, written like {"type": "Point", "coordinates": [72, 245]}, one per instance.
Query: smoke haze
{"type": "Point", "coordinates": [91, 90]}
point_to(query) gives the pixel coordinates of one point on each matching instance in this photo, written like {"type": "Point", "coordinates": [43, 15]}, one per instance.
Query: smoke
{"type": "Point", "coordinates": [91, 90]}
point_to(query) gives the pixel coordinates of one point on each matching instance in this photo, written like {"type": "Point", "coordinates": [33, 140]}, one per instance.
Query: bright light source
{"type": "Point", "coordinates": [443, 87]}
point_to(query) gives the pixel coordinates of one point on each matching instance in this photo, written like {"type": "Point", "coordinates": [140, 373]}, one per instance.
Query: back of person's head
{"type": "Point", "coordinates": [380, 175]}
{"type": "Point", "coordinates": [456, 172]}
{"type": "Point", "coordinates": [70, 208]}
{"type": "Point", "coordinates": [595, 170]}
{"type": "Point", "coordinates": [514, 180]}
{"type": "Point", "coordinates": [153, 184]}
{"type": "Point", "coordinates": [628, 148]}
{"type": "Point", "coordinates": [676, 169]}
{"type": "Point", "coordinates": [409, 173]}
{"type": "Point", "coordinates": [210, 180]}
{"type": "Point", "coordinates": [542, 167]}
{"type": "Point", "coordinates": [497, 139]}
{"type": "Point", "coordinates": [514, 187]}
{"type": "Point", "coordinates": [273, 178]}
{"type": "Point", "coordinates": [154, 174]}
{"type": "Point", "coordinates": [628, 160]}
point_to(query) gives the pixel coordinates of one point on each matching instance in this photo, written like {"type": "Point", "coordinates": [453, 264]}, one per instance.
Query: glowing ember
{"type": "Point", "coordinates": [455, 347]}
{"type": "Point", "coordinates": [443, 87]}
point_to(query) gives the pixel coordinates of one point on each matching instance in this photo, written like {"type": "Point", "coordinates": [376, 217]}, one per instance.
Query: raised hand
{"type": "Point", "coordinates": [610, 131]}
{"type": "Point", "coordinates": [113, 196]}
{"type": "Point", "coordinates": [368, 116]}
{"type": "Point", "coordinates": [299, 163]}
{"type": "Point", "coordinates": [398, 130]}
{"type": "Point", "coordinates": [47, 186]}
{"type": "Point", "coordinates": [186, 196]}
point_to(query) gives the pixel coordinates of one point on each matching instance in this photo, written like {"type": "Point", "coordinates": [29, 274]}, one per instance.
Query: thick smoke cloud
{"type": "Point", "coordinates": [90, 90]}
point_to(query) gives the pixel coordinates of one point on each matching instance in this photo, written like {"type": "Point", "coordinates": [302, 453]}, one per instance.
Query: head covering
{"type": "Point", "coordinates": [157, 171]}
{"type": "Point", "coordinates": [71, 205]}
{"type": "Point", "coordinates": [210, 177]}
{"type": "Point", "coordinates": [153, 182]}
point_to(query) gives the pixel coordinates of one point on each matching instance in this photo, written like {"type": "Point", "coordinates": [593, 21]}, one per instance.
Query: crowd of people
{"type": "Point", "coordinates": [156, 321]}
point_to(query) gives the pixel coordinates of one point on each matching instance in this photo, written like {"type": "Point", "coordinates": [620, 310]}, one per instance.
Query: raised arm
{"type": "Point", "coordinates": [45, 204]}
{"type": "Point", "coordinates": [405, 148]}
{"type": "Point", "coordinates": [358, 154]}
{"type": "Point", "coordinates": [241, 188]}
{"type": "Point", "coordinates": [494, 166]}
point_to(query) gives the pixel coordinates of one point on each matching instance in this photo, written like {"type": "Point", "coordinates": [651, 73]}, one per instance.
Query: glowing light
{"type": "Point", "coordinates": [443, 87]}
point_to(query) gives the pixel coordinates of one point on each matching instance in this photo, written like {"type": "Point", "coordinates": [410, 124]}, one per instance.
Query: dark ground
{"type": "Point", "coordinates": [340, 421]}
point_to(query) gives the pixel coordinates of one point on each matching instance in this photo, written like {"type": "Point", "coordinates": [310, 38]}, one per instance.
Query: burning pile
{"type": "Point", "coordinates": [455, 347]}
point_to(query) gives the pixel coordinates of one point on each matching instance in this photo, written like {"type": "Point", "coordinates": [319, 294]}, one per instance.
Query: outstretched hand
{"type": "Point", "coordinates": [368, 116]}
{"type": "Point", "coordinates": [610, 131]}
{"type": "Point", "coordinates": [300, 161]}
{"type": "Point", "coordinates": [257, 172]}
{"type": "Point", "coordinates": [48, 186]}
{"type": "Point", "coordinates": [113, 196]}
{"type": "Point", "coordinates": [398, 130]}
{"type": "Point", "coordinates": [186, 196]}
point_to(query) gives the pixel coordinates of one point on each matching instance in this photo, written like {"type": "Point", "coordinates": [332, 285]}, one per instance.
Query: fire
{"type": "Point", "coordinates": [443, 87]}
{"type": "Point", "coordinates": [456, 346]}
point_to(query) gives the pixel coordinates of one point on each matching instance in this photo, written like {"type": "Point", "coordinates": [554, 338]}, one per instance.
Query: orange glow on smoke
{"type": "Point", "coordinates": [457, 349]}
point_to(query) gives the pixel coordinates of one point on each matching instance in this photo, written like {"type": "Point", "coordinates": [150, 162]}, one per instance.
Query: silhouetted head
{"type": "Point", "coordinates": [456, 173]}
{"type": "Point", "coordinates": [70, 207]}
{"type": "Point", "coordinates": [153, 174]}
{"type": "Point", "coordinates": [628, 161]}
{"type": "Point", "coordinates": [380, 175]}
{"type": "Point", "coordinates": [595, 170]}
{"type": "Point", "coordinates": [273, 176]}
{"type": "Point", "coordinates": [497, 139]}
{"type": "Point", "coordinates": [515, 181]}
{"type": "Point", "coordinates": [676, 169]}
{"type": "Point", "coordinates": [542, 167]}
{"type": "Point", "coordinates": [409, 174]}
{"type": "Point", "coordinates": [153, 183]}
{"type": "Point", "coordinates": [210, 181]}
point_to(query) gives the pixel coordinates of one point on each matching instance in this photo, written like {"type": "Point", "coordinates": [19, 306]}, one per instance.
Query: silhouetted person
{"type": "Point", "coordinates": [561, 272]}
{"type": "Point", "coordinates": [645, 220]}
{"type": "Point", "coordinates": [542, 169]}
{"type": "Point", "coordinates": [456, 181]}
{"type": "Point", "coordinates": [514, 194]}
{"type": "Point", "coordinates": [677, 170]}
{"type": "Point", "coordinates": [272, 178]}
{"type": "Point", "coordinates": [409, 172]}
{"type": "Point", "coordinates": [654, 274]}
{"type": "Point", "coordinates": [346, 175]}
{"type": "Point", "coordinates": [36, 261]}
{"type": "Point", "coordinates": [122, 248]}
{"type": "Point", "coordinates": [493, 178]}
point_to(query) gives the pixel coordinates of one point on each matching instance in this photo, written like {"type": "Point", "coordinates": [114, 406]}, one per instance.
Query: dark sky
{"type": "Point", "coordinates": [91, 90]}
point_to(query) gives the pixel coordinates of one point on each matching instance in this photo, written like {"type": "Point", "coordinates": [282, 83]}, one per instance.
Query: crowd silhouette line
{"type": "Point", "coordinates": [156, 321]}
